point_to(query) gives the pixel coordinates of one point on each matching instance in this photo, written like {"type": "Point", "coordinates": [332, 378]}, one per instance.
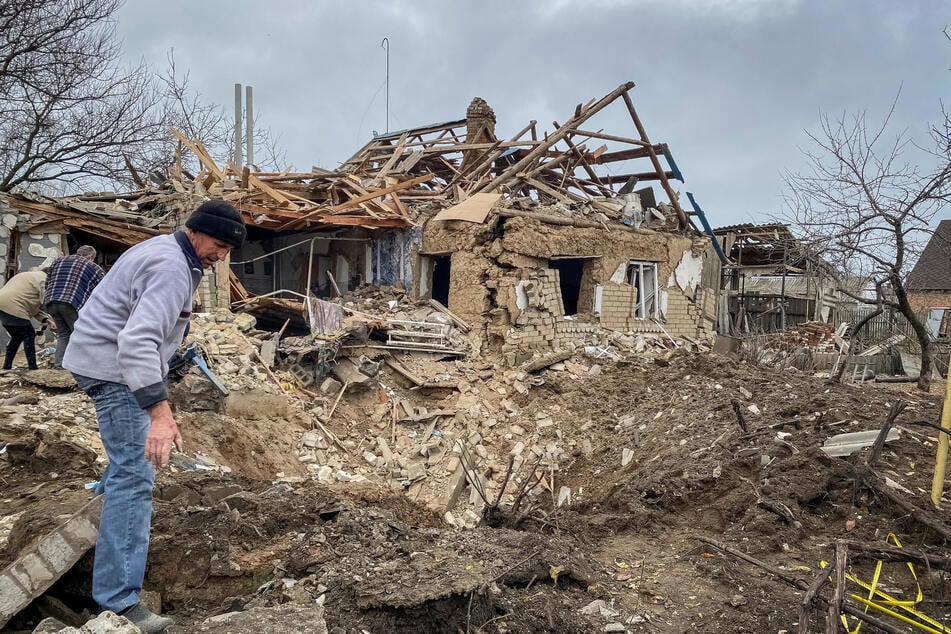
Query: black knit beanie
{"type": "Point", "coordinates": [220, 220]}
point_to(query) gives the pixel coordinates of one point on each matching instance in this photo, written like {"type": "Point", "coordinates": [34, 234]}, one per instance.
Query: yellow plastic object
{"type": "Point", "coordinates": [887, 604]}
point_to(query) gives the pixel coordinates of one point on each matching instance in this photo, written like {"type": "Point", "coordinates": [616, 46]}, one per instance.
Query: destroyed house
{"type": "Point", "coordinates": [534, 240]}
{"type": "Point", "coordinates": [773, 282]}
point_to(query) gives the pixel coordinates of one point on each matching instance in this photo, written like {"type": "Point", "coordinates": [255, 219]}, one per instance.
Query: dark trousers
{"type": "Point", "coordinates": [64, 316]}
{"type": "Point", "coordinates": [21, 331]}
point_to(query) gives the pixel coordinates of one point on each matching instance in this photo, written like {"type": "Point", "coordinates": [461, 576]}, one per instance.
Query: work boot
{"type": "Point", "coordinates": [146, 620]}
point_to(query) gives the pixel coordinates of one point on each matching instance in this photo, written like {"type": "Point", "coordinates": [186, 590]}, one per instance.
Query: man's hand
{"type": "Point", "coordinates": [163, 435]}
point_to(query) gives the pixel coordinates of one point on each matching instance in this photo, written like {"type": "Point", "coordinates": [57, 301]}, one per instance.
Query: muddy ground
{"type": "Point", "coordinates": [650, 449]}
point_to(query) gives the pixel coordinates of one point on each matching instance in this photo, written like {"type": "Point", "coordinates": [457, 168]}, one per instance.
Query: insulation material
{"type": "Point", "coordinates": [521, 294]}
{"type": "Point", "coordinates": [688, 272]}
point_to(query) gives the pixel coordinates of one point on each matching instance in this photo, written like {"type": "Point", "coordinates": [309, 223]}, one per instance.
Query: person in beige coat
{"type": "Point", "coordinates": [20, 300]}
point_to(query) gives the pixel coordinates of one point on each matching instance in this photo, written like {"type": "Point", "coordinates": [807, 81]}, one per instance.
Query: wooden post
{"type": "Point", "coordinates": [557, 135]}
{"type": "Point", "coordinates": [655, 161]}
{"type": "Point", "coordinates": [941, 462]}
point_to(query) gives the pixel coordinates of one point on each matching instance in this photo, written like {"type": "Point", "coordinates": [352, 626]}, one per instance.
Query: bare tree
{"type": "Point", "coordinates": [70, 112]}
{"type": "Point", "coordinates": [866, 206]}
{"type": "Point", "coordinates": [184, 109]}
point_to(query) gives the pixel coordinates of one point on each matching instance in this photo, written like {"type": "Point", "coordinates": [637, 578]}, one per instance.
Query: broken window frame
{"type": "Point", "coordinates": [639, 272]}
{"type": "Point", "coordinates": [943, 328]}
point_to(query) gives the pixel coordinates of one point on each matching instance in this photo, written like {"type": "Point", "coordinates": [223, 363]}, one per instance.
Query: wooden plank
{"type": "Point", "coordinates": [626, 155]}
{"type": "Point", "coordinates": [460, 324]}
{"type": "Point", "coordinates": [363, 221]}
{"type": "Point", "coordinates": [353, 202]}
{"type": "Point", "coordinates": [206, 161]}
{"type": "Point", "coordinates": [556, 136]}
{"type": "Point", "coordinates": [403, 371]}
{"type": "Point", "coordinates": [399, 205]}
{"type": "Point", "coordinates": [396, 154]}
{"type": "Point", "coordinates": [551, 191]}
{"type": "Point", "coordinates": [409, 162]}
{"type": "Point", "coordinates": [608, 137]}
{"type": "Point", "coordinates": [254, 181]}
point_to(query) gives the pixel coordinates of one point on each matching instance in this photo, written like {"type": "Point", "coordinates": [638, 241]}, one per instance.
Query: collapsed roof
{"type": "Point", "coordinates": [390, 178]}
{"type": "Point", "coordinates": [397, 177]}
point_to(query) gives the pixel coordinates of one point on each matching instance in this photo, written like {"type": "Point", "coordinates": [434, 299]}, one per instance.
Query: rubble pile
{"type": "Point", "coordinates": [395, 498]}
{"type": "Point", "coordinates": [232, 348]}
{"type": "Point", "coordinates": [817, 335]}
{"type": "Point", "coordinates": [430, 424]}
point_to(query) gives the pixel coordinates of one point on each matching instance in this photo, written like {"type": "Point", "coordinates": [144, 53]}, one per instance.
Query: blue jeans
{"type": "Point", "coordinates": [123, 544]}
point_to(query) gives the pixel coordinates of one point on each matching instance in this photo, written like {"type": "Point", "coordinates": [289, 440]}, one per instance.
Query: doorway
{"type": "Point", "coordinates": [441, 273]}
{"type": "Point", "coordinates": [570, 273]}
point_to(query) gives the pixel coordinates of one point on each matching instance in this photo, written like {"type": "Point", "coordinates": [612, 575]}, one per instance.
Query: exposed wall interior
{"type": "Point", "coordinates": [531, 286]}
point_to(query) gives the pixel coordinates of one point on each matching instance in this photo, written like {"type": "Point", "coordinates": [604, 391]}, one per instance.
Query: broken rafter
{"type": "Point", "coordinates": [197, 148]}
{"type": "Point", "coordinates": [556, 136]}
{"type": "Point", "coordinates": [353, 202]}
{"type": "Point", "coordinates": [665, 183]}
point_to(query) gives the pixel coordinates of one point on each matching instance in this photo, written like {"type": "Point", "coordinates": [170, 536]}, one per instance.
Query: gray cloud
{"type": "Point", "coordinates": [730, 85]}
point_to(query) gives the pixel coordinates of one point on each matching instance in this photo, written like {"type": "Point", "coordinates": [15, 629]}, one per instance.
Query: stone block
{"type": "Point", "coordinates": [38, 568]}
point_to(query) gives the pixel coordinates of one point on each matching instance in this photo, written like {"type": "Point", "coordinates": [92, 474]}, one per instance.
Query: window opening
{"type": "Point", "coordinates": [643, 277]}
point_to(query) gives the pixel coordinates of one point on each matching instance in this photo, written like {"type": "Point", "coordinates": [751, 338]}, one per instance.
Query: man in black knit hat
{"type": "Point", "coordinates": [128, 329]}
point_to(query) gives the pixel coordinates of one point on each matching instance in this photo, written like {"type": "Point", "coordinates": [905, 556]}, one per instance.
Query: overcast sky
{"type": "Point", "coordinates": [729, 85]}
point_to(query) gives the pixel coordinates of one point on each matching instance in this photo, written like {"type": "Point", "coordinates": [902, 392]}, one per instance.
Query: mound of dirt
{"type": "Point", "coordinates": [592, 492]}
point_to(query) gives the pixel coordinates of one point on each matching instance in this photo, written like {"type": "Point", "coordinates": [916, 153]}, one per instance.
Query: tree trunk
{"type": "Point", "coordinates": [921, 333]}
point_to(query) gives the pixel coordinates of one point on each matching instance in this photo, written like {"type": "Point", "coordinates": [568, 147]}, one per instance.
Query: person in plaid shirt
{"type": "Point", "coordinates": [68, 285]}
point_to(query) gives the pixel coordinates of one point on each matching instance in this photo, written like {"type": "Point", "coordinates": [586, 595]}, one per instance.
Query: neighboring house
{"type": "Point", "coordinates": [929, 283]}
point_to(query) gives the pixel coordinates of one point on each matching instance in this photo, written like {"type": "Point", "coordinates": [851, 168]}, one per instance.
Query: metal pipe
{"type": "Point", "coordinates": [249, 124]}
{"type": "Point", "coordinates": [291, 246]}
{"type": "Point", "coordinates": [386, 45]}
{"type": "Point", "coordinates": [238, 160]}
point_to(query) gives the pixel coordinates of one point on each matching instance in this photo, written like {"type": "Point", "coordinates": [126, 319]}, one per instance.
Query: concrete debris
{"type": "Point", "coordinates": [278, 619]}
{"type": "Point", "coordinates": [564, 496]}
{"type": "Point", "coordinates": [105, 623]}
{"type": "Point", "coordinates": [599, 607]}
{"type": "Point", "coordinates": [39, 567]}
{"type": "Point", "coordinates": [626, 456]}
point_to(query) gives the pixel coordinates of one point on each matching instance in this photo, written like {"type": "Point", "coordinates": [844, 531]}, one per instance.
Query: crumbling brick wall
{"type": "Point", "coordinates": [922, 301]}
{"type": "Point", "coordinates": [502, 283]}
